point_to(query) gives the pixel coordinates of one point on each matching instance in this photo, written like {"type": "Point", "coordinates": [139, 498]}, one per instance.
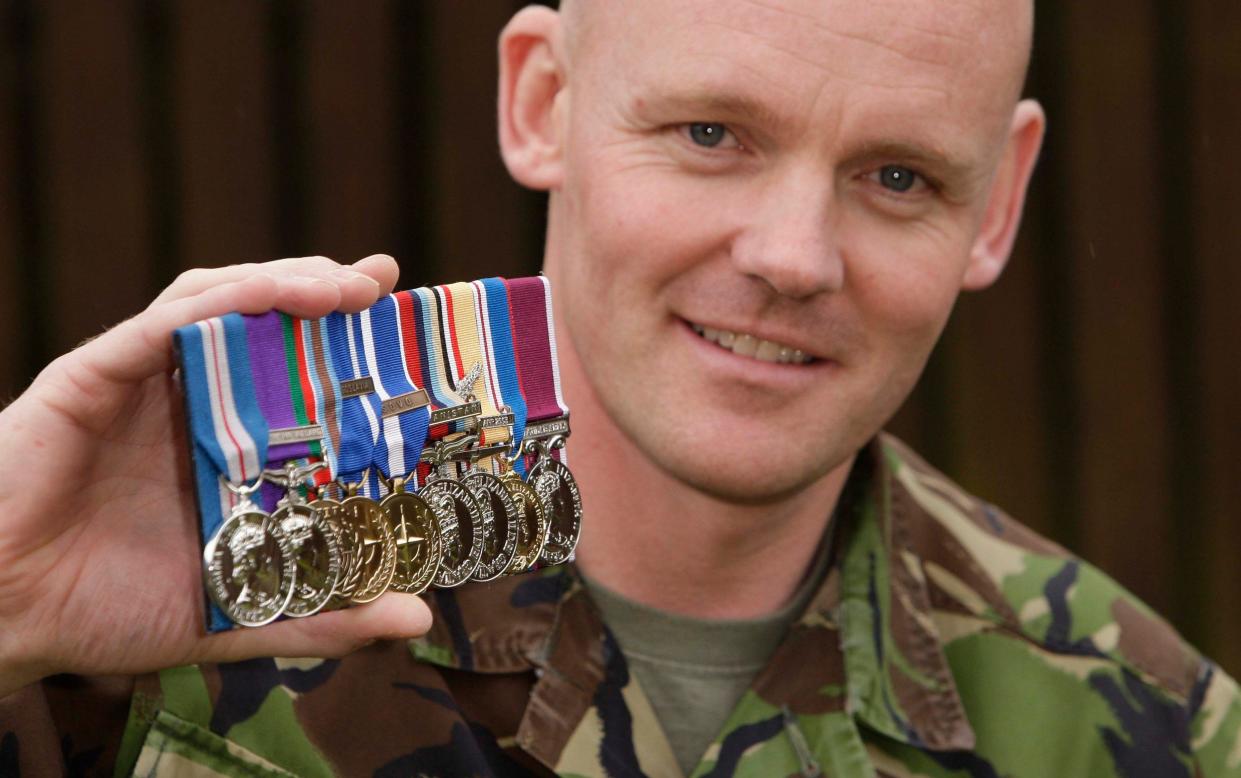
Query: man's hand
{"type": "Point", "coordinates": [100, 567]}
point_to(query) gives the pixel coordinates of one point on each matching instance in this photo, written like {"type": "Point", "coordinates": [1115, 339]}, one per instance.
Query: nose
{"type": "Point", "coordinates": [791, 241]}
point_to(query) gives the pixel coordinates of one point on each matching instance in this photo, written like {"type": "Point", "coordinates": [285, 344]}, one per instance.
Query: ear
{"type": "Point", "coordinates": [1008, 196]}
{"type": "Point", "coordinates": [532, 81]}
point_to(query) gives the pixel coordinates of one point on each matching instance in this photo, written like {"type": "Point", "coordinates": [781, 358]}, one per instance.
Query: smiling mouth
{"type": "Point", "coordinates": [745, 345]}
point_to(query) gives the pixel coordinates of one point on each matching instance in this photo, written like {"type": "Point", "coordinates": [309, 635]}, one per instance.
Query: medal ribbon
{"type": "Point", "coordinates": [432, 359]}
{"type": "Point", "coordinates": [324, 389]}
{"type": "Point", "coordinates": [297, 362]}
{"type": "Point", "coordinates": [409, 313]}
{"type": "Point", "coordinates": [225, 419]}
{"type": "Point", "coordinates": [359, 415]}
{"type": "Point", "coordinates": [464, 339]}
{"type": "Point", "coordinates": [403, 434]}
{"type": "Point", "coordinates": [535, 334]}
{"type": "Point", "coordinates": [265, 335]}
{"type": "Point", "coordinates": [226, 424]}
{"type": "Point", "coordinates": [493, 310]}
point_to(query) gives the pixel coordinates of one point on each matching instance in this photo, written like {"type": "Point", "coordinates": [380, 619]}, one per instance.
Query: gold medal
{"type": "Point", "coordinates": [532, 525]}
{"type": "Point", "coordinates": [349, 546]}
{"type": "Point", "coordinates": [416, 534]}
{"type": "Point", "coordinates": [377, 546]}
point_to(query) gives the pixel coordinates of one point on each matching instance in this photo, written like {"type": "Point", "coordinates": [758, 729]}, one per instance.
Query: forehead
{"type": "Point", "coordinates": [962, 58]}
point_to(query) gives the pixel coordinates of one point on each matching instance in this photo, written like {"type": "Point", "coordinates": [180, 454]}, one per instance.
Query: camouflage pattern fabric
{"type": "Point", "coordinates": [946, 640]}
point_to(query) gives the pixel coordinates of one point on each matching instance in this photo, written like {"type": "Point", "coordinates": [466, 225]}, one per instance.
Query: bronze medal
{"type": "Point", "coordinates": [458, 515]}
{"type": "Point", "coordinates": [532, 525]}
{"type": "Point", "coordinates": [377, 547]}
{"type": "Point", "coordinates": [557, 488]}
{"type": "Point", "coordinates": [348, 540]}
{"type": "Point", "coordinates": [416, 534]}
{"type": "Point", "coordinates": [499, 532]}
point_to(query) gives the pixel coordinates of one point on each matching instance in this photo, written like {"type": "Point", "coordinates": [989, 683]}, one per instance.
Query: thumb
{"type": "Point", "coordinates": [333, 634]}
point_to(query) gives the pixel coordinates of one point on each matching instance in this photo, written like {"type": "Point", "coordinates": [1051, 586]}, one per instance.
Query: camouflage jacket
{"type": "Point", "coordinates": [946, 640]}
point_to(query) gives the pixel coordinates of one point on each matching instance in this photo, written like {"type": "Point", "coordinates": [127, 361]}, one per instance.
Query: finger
{"type": "Point", "coordinates": [142, 346]}
{"type": "Point", "coordinates": [392, 616]}
{"type": "Point", "coordinates": [357, 290]}
{"type": "Point", "coordinates": [198, 280]}
{"type": "Point", "coordinates": [361, 284]}
{"type": "Point", "coordinates": [380, 267]}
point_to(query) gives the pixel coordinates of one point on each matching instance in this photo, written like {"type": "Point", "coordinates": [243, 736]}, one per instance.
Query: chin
{"type": "Point", "coordinates": [747, 477]}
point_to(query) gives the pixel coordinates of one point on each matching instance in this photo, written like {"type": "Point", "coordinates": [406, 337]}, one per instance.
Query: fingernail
{"type": "Point", "coordinates": [321, 282]}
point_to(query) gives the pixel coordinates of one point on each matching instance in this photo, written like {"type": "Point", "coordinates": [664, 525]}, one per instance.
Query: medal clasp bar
{"type": "Point", "coordinates": [548, 428]}
{"type": "Point", "coordinates": [395, 406]}
{"type": "Point", "coordinates": [457, 412]}
{"type": "Point", "coordinates": [357, 387]}
{"type": "Point", "coordinates": [307, 434]}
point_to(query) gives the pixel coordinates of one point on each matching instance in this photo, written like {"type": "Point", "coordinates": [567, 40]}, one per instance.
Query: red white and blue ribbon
{"type": "Point", "coordinates": [403, 433]}
{"type": "Point", "coordinates": [226, 424]}
{"type": "Point", "coordinates": [360, 412]}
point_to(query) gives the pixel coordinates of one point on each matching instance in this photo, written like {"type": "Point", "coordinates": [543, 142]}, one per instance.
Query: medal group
{"type": "Point", "coordinates": [419, 443]}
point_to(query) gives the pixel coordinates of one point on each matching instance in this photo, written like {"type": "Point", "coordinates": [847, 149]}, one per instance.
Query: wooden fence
{"type": "Point", "coordinates": [1095, 392]}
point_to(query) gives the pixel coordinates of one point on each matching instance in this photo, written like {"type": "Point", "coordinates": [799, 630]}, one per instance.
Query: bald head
{"type": "Point", "coordinates": [1003, 29]}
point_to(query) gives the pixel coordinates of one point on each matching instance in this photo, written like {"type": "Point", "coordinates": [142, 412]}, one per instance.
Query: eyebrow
{"type": "Point", "coordinates": [932, 156]}
{"type": "Point", "coordinates": [714, 105]}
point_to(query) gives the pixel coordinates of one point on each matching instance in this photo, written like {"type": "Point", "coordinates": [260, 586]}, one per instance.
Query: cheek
{"type": "Point", "coordinates": [637, 227]}
{"type": "Point", "coordinates": [906, 282]}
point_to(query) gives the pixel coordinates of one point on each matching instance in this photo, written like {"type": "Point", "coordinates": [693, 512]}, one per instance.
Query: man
{"type": "Point", "coordinates": [760, 216]}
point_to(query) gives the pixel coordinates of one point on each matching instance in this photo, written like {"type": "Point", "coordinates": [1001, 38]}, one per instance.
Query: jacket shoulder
{"type": "Point", "coordinates": [986, 569]}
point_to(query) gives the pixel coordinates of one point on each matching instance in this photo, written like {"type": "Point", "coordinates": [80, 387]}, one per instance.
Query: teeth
{"type": "Point", "coordinates": [750, 346]}
{"type": "Point", "coordinates": [745, 345]}
{"type": "Point", "coordinates": [767, 351]}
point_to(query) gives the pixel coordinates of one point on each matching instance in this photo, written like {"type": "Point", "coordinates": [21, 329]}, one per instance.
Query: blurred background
{"type": "Point", "coordinates": [1095, 393]}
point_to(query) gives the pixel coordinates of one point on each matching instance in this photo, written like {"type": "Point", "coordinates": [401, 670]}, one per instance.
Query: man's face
{"type": "Point", "coordinates": [804, 176]}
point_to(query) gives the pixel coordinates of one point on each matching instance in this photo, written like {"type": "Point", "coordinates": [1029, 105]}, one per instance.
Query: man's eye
{"type": "Point", "coordinates": [897, 179]}
{"type": "Point", "coordinates": [709, 134]}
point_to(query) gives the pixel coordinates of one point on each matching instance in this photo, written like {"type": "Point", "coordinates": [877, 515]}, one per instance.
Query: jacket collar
{"type": "Point", "coordinates": [877, 614]}
{"type": "Point", "coordinates": [898, 679]}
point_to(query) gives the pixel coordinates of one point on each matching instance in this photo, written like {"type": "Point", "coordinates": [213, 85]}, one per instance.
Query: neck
{"type": "Point", "coordinates": [660, 542]}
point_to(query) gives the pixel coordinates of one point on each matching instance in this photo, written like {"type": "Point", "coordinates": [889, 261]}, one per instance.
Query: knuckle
{"type": "Point", "coordinates": [191, 277]}
{"type": "Point", "coordinates": [320, 261]}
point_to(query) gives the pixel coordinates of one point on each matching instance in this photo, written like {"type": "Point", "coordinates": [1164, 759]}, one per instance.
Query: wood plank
{"type": "Point", "coordinates": [351, 64]}
{"type": "Point", "coordinates": [224, 133]}
{"type": "Point", "coordinates": [1114, 244]}
{"type": "Point", "coordinates": [995, 403]}
{"type": "Point", "coordinates": [481, 222]}
{"type": "Point", "coordinates": [12, 351]}
{"type": "Point", "coordinates": [95, 173]}
{"type": "Point", "coordinates": [1215, 32]}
